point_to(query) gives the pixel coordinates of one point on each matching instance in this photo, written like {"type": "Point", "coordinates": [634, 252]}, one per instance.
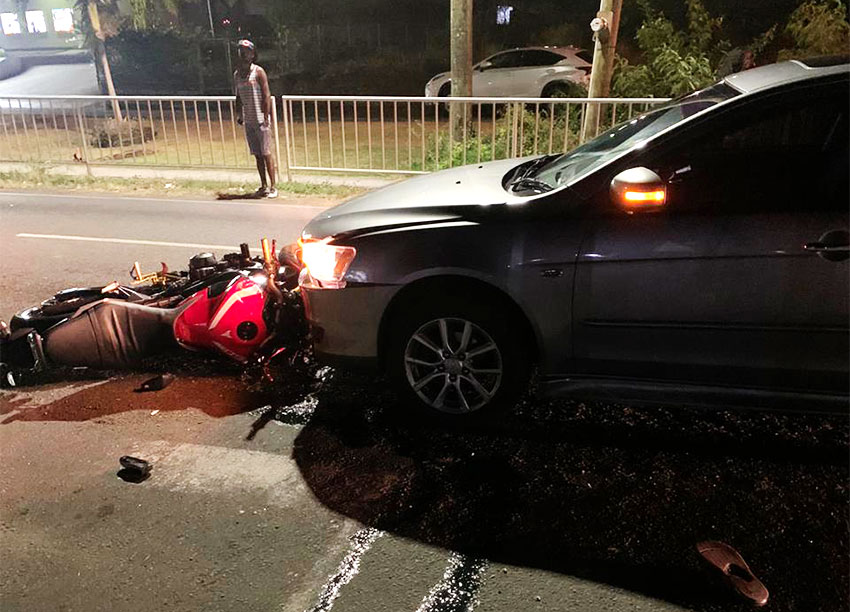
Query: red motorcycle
{"type": "Point", "coordinates": [247, 309]}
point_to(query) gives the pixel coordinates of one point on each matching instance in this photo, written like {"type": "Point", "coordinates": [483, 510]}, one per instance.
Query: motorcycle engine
{"type": "Point", "coordinates": [202, 266]}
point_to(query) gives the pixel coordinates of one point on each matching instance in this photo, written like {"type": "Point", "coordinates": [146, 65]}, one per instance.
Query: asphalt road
{"type": "Point", "coordinates": [320, 495]}
{"type": "Point", "coordinates": [52, 79]}
{"type": "Point", "coordinates": [92, 240]}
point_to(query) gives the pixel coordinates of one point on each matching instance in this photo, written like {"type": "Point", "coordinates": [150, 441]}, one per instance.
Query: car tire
{"type": "Point", "coordinates": [445, 91]}
{"type": "Point", "coordinates": [449, 380]}
{"type": "Point", "coordinates": [563, 89]}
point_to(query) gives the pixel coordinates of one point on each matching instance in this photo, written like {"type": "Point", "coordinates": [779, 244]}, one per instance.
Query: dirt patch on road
{"type": "Point", "coordinates": [216, 396]}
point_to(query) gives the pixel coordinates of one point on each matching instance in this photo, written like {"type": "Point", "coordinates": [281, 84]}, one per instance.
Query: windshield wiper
{"type": "Point", "coordinates": [524, 175]}
{"type": "Point", "coordinates": [536, 165]}
{"type": "Point", "coordinates": [529, 183]}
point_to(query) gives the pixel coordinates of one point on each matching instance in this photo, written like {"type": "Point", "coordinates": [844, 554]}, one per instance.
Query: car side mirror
{"type": "Point", "coordinates": [484, 66]}
{"type": "Point", "coordinates": [638, 190]}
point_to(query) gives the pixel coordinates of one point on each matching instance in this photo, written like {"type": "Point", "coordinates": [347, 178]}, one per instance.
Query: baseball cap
{"type": "Point", "coordinates": [246, 43]}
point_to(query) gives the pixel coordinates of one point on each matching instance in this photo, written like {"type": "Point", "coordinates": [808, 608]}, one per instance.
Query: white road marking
{"type": "Point", "coordinates": [215, 469]}
{"type": "Point", "coordinates": [253, 203]}
{"type": "Point", "coordinates": [348, 568]}
{"type": "Point", "coordinates": [458, 590]}
{"type": "Point", "coordinates": [159, 243]}
{"type": "Point", "coordinates": [34, 397]}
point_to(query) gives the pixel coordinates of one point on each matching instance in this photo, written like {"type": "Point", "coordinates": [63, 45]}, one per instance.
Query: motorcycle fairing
{"type": "Point", "coordinates": [230, 321]}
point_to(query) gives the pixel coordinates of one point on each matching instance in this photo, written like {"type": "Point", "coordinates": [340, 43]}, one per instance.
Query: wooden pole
{"type": "Point", "coordinates": [461, 60]}
{"type": "Point", "coordinates": [603, 61]}
{"type": "Point", "coordinates": [94, 17]}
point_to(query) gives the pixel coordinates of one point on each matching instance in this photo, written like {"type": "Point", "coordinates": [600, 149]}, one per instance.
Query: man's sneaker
{"type": "Point", "coordinates": [272, 193]}
{"type": "Point", "coordinates": [262, 192]}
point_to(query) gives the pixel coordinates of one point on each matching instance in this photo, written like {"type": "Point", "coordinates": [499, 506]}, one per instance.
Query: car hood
{"type": "Point", "coordinates": [443, 196]}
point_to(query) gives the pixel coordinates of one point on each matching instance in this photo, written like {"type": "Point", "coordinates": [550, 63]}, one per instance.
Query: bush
{"type": "Point", "coordinates": [104, 133]}
{"type": "Point", "coordinates": [674, 63]}
{"type": "Point", "coordinates": [818, 28]}
{"type": "Point", "coordinates": [442, 152]}
{"type": "Point", "coordinates": [155, 62]}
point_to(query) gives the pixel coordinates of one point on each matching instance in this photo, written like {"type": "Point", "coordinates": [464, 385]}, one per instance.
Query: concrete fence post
{"type": "Point", "coordinates": [286, 137]}
{"type": "Point", "coordinates": [276, 139]}
{"type": "Point", "coordinates": [83, 139]}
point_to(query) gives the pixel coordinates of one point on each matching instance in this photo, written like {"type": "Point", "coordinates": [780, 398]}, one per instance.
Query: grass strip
{"type": "Point", "coordinates": [40, 179]}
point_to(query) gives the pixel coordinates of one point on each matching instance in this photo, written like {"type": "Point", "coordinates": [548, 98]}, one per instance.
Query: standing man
{"type": "Point", "coordinates": [253, 109]}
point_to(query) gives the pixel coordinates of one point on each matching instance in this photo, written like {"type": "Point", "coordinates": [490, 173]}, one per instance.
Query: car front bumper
{"type": "Point", "coordinates": [344, 323]}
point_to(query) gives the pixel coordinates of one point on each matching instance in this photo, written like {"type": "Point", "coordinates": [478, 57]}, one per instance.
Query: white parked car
{"type": "Point", "coordinates": [530, 72]}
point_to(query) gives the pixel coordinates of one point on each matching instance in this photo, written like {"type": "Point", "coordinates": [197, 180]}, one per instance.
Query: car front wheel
{"type": "Point", "coordinates": [461, 358]}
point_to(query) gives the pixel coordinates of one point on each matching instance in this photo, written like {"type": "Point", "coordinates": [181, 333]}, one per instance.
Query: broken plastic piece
{"type": "Point", "coordinates": [735, 571]}
{"type": "Point", "coordinates": [157, 383]}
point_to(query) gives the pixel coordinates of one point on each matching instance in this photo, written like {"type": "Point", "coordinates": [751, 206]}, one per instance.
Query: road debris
{"type": "Point", "coordinates": [157, 383]}
{"type": "Point", "coordinates": [134, 469]}
{"type": "Point", "coordinates": [735, 571]}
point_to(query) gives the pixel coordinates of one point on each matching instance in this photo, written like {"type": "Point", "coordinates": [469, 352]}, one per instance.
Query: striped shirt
{"type": "Point", "coordinates": [250, 92]}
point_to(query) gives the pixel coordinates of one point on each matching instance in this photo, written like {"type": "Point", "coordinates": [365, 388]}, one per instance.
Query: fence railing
{"type": "Point", "coordinates": [170, 131]}
{"type": "Point", "coordinates": [384, 135]}
{"type": "Point", "coordinates": [415, 135]}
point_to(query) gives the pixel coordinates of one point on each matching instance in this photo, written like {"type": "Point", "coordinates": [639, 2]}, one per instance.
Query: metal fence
{"type": "Point", "coordinates": [415, 135]}
{"type": "Point", "coordinates": [384, 135]}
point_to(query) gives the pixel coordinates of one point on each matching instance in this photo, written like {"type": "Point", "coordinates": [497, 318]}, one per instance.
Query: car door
{"type": "Point", "coordinates": [496, 79]}
{"type": "Point", "coordinates": [528, 77]}
{"type": "Point", "coordinates": [742, 278]}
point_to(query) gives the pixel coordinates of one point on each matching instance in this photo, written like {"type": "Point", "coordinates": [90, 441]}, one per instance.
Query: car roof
{"type": "Point", "coordinates": [567, 51]}
{"type": "Point", "coordinates": [782, 73]}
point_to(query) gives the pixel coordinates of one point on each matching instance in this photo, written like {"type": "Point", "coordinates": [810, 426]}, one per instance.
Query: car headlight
{"type": "Point", "coordinates": [326, 263]}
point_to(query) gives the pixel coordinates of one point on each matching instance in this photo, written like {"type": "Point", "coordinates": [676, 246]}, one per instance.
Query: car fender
{"type": "Point", "coordinates": [432, 88]}
{"type": "Point", "coordinates": [484, 282]}
{"type": "Point", "coordinates": [558, 74]}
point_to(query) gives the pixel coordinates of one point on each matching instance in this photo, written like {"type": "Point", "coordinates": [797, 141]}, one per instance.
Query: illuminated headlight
{"type": "Point", "coordinates": [327, 263]}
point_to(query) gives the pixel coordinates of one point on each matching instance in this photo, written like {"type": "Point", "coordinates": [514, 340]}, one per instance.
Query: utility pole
{"type": "Point", "coordinates": [94, 17]}
{"type": "Point", "coordinates": [604, 27]}
{"type": "Point", "coordinates": [461, 52]}
{"type": "Point", "coordinates": [209, 13]}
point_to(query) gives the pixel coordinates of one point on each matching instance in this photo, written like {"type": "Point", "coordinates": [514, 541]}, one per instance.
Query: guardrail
{"type": "Point", "coordinates": [383, 135]}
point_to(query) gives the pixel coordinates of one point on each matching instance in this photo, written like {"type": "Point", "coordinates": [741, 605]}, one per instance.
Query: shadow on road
{"type": "Point", "coordinates": [614, 494]}
{"type": "Point", "coordinates": [238, 196]}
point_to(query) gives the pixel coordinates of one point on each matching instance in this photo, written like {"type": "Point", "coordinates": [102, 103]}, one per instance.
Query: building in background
{"type": "Point", "coordinates": [39, 25]}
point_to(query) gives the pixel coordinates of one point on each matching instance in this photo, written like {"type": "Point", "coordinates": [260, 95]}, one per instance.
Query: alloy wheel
{"type": "Point", "coordinates": [453, 365]}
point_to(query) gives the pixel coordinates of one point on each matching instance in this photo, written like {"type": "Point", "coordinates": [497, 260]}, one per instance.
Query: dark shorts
{"type": "Point", "coordinates": [259, 139]}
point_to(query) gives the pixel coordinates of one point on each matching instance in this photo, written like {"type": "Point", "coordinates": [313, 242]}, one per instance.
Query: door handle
{"type": "Point", "coordinates": [832, 246]}
{"type": "Point", "coordinates": [820, 247]}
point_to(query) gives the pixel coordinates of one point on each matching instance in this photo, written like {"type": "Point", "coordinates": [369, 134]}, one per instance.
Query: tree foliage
{"type": "Point", "coordinates": [675, 62]}
{"type": "Point", "coordinates": [678, 61]}
{"type": "Point", "coordinates": [818, 27]}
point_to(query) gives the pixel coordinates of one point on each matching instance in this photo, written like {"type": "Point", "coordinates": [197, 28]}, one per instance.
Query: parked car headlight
{"type": "Point", "coordinates": [326, 263]}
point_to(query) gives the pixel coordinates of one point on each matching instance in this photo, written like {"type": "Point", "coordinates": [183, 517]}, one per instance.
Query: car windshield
{"type": "Point", "coordinates": [605, 147]}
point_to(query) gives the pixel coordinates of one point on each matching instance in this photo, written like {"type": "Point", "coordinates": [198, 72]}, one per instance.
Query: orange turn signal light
{"type": "Point", "coordinates": [644, 197]}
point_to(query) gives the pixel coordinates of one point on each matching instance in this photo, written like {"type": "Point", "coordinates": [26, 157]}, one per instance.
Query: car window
{"type": "Point", "coordinates": [540, 57]}
{"type": "Point", "coordinates": [775, 155]}
{"type": "Point", "coordinates": [585, 159]}
{"type": "Point", "coordinates": [508, 59]}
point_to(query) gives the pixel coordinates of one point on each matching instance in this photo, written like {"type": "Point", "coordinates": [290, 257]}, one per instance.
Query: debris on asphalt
{"type": "Point", "coordinates": [134, 469]}
{"type": "Point", "coordinates": [735, 571]}
{"type": "Point", "coordinates": [155, 412]}
{"type": "Point", "coordinates": [157, 383]}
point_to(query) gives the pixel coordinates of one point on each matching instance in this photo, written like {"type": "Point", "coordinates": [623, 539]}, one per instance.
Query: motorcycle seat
{"type": "Point", "coordinates": [111, 334]}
